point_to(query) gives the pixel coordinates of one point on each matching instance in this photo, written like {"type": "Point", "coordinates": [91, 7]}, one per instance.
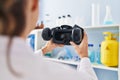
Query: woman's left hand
{"type": "Point", "coordinates": [50, 46]}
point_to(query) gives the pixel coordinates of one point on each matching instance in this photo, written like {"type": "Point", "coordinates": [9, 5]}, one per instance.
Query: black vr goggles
{"type": "Point", "coordinates": [64, 34]}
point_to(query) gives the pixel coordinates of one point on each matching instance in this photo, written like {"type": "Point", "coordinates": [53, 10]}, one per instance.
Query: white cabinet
{"type": "Point", "coordinates": [38, 41]}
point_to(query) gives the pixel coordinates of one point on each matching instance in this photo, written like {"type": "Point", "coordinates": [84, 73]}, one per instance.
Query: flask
{"type": "Point", "coordinates": [108, 17]}
{"type": "Point", "coordinates": [91, 53]}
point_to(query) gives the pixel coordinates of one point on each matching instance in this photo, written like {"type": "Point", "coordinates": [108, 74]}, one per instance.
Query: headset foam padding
{"type": "Point", "coordinates": [76, 35]}
{"type": "Point", "coordinates": [46, 34]}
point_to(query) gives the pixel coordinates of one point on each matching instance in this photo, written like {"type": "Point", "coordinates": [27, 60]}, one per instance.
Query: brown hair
{"type": "Point", "coordinates": [15, 10]}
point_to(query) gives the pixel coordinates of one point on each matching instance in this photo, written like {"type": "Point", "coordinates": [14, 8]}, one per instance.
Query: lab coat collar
{"type": "Point", "coordinates": [6, 39]}
{"type": "Point", "coordinates": [15, 41]}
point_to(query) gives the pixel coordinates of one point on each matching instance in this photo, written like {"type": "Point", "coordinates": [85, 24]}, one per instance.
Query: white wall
{"type": "Point", "coordinates": [80, 8]}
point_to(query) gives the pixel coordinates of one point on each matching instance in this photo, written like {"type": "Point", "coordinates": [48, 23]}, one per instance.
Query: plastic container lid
{"type": "Point", "coordinates": [99, 45]}
{"type": "Point", "coordinates": [59, 17]}
{"type": "Point", "coordinates": [68, 15]}
{"type": "Point", "coordinates": [63, 16]}
{"type": "Point", "coordinates": [90, 45]}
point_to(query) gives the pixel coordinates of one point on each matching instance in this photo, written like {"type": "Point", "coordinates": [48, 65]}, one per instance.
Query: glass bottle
{"type": "Point", "coordinates": [108, 17]}
{"type": "Point", "coordinates": [69, 20]}
{"type": "Point", "coordinates": [41, 26]}
{"type": "Point", "coordinates": [98, 55]}
{"type": "Point", "coordinates": [91, 53]}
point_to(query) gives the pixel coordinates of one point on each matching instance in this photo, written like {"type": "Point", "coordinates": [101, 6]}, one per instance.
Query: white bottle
{"type": "Point", "coordinates": [69, 20]}
{"type": "Point", "coordinates": [95, 14]}
{"type": "Point", "coordinates": [108, 17]}
{"type": "Point", "coordinates": [58, 21]}
{"type": "Point", "coordinates": [64, 20]}
{"type": "Point", "coordinates": [48, 21]}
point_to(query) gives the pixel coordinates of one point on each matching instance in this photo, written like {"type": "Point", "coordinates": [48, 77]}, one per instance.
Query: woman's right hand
{"type": "Point", "coordinates": [50, 46]}
{"type": "Point", "coordinates": [82, 49]}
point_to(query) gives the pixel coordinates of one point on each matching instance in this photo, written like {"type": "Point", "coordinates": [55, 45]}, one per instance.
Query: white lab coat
{"type": "Point", "coordinates": [34, 67]}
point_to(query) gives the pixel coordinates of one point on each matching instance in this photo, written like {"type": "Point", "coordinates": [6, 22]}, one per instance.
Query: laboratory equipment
{"type": "Point", "coordinates": [95, 14]}
{"type": "Point", "coordinates": [98, 55]}
{"type": "Point", "coordinates": [31, 41]}
{"type": "Point", "coordinates": [91, 53]}
{"type": "Point", "coordinates": [108, 17]}
{"type": "Point", "coordinates": [109, 49]}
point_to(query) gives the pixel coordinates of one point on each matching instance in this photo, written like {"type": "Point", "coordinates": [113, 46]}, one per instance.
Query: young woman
{"type": "Point", "coordinates": [17, 61]}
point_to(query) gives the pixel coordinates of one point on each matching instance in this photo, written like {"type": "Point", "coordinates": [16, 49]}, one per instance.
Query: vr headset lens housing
{"type": "Point", "coordinates": [64, 34]}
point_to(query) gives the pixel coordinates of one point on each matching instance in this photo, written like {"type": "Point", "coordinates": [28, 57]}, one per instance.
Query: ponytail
{"type": "Point", "coordinates": [8, 61]}
{"type": "Point", "coordinates": [3, 21]}
{"type": "Point", "coordinates": [17, 13]}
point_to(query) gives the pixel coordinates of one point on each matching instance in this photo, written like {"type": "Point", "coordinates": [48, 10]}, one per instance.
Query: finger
{"type": "Point", "coordinates": [85, 36]}
{"type": "Point", "coordinates": [84, 42]}
{"type": "Point", "coordinates": [73, 44]}
{"type": "Point", "coordinates": [56, 45]}
{"type": "Point", "coordinates": [51, 41]}
{"type": "Point", "coordinates": [85, 39]}
{"type": "Point", "coordinates": [61, 45]}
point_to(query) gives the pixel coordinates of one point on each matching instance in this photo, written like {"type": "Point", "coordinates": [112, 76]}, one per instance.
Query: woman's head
{"type": "Point", "coordinates": [18, 17]}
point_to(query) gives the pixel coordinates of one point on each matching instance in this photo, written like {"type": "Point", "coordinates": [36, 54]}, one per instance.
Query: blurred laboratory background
{"type": "Point", "coordinates": [95, 16]}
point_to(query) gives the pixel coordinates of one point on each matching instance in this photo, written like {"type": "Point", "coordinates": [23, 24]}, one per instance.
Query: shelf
{"type": "Point", "coordinates": [102, 26]}
{"type": "Point", "coordinates": [76, 63]}
{"type": "Point", "coordinates": [104, 67]}
{"type": "Point", "coordinates": [62, 61]}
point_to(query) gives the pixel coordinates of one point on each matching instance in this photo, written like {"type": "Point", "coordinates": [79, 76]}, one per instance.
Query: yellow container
{"type": "Point", "coordinates": [109, 50]}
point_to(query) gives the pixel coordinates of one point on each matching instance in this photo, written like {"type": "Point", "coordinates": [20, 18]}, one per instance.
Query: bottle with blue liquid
{"type": "Point", "coordinates": [31, 41]}
{"type": "Point", "coordinates": [98, 55]}
{"type": "Point", "coordinates": [108, 17]}
{"type": "Point", "coordinates": [76, 58]}
{"type": "Point", "coordinates": [91, 53]}
{"type": "Point", "coordinates": [61, 55]}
